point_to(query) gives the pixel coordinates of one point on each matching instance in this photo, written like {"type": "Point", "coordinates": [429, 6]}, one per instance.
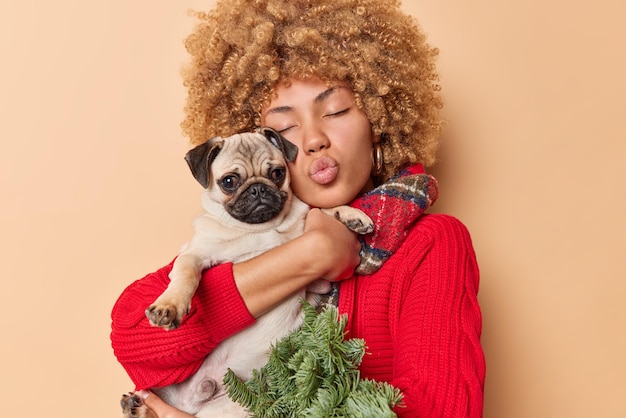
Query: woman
{"type": "Point", "coordinates": [353, 84]}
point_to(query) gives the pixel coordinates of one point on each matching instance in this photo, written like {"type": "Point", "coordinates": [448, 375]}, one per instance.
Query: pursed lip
{"type": "Point", "coordinates": [324, 170]}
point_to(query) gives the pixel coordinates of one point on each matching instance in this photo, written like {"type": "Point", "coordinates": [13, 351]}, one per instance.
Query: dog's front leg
{"type": "Point", "coordinates": [173, 304]}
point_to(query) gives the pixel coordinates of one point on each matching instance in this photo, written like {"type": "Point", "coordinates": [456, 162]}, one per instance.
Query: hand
{"type": "Point", "coordinates": [336, 247]}
{"type": "Point", "coordinates": [159, 407]}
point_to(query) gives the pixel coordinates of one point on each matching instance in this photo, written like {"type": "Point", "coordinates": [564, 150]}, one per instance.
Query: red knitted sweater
{"type": "Point", "coordinates": [418, 314]}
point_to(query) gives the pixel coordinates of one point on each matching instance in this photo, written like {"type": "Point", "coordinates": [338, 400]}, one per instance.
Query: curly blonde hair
{"type": "Point", "coordinates": [242, 48]}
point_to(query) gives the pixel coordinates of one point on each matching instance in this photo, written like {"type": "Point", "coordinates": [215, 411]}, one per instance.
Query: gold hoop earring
{"type": "Point", "coordinates": [377, 159]}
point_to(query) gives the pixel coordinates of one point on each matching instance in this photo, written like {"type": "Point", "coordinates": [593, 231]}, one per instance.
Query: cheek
{"type": "Point", "coordinates": [305, 191]}
{"type": "Point", "coordinates": [363, 149]}
{"type": "Point", "coordinates": [297, 176]}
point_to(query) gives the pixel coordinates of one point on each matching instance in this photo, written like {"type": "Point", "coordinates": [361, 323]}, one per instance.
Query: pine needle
{"type": "Point", "coordinates": [313, 372]}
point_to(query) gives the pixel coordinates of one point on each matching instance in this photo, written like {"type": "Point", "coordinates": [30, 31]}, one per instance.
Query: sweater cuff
{"type": "Point", "coordinates": [218, 304]}
{"type": "Point", "coordinates": [154, 357]}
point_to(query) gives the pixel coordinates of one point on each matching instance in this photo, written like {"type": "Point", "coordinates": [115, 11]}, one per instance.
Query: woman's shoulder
{"type": "Point", "coordinates": [445, 242]}
{"type": "Point", "coordinates": [438, 233]}
{"type": "Point", "coordinates": [439, 225]}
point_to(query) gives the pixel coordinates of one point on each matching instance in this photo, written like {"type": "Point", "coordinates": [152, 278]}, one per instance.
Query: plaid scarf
{"type": "Point", "coordinates": [394, 207]}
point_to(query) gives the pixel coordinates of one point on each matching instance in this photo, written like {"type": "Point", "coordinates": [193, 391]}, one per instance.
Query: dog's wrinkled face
{"type": "Point", "coordinates": [246, 174]}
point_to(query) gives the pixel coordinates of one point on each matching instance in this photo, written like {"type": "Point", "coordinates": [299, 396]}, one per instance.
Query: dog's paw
{"type": "Point", "coordinates": [167, 316]}
{"type": "Point", "coordinates": [355, 219]}
{"type": "Point", "coordinates": [361, 226]}
{"type": "Point", "coordinates": [133, 407]}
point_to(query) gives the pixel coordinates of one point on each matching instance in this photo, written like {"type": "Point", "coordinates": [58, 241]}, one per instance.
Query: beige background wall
{"type": "Point", "coordinates": [94, 192]}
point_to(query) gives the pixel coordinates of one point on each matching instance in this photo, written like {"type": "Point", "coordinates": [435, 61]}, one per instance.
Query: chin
{"type": "Point", "coordinates": [328, 202]}
{"type": "Point", "coordinates": [328, 196]}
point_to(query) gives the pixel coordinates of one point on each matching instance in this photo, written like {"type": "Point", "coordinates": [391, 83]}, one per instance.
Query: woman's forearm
{"type": "Point", "coordinates": [268, 279]}
{"type": "Point", "coordinates": [326, 250]}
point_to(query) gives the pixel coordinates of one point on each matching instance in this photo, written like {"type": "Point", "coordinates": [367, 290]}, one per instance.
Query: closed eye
{"type": "Point", "coordinates": [339, 113]}
{"type": "Point", "coordinates": [280, 131]}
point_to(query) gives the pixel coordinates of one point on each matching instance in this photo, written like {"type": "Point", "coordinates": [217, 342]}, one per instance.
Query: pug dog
{"type": "Point", "coordinates": [249, 208]}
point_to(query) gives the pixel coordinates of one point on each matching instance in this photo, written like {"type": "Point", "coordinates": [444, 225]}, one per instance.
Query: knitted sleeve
{"type": "Point", "coordinates": [154, 357]}
{"type": "Point", "coordinates": [439, 363]}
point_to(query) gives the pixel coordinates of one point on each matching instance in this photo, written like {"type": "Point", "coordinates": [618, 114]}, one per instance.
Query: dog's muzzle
{"type": "Point", "coordinates": [257, 204]}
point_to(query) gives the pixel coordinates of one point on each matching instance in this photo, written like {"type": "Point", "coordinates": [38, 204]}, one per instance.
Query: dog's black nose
{"type": "Point", "coordinates": [258, 190]}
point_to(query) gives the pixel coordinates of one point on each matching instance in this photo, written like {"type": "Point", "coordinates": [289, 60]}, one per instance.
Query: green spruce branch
{"type": "Point", "coordinates": [313, 372]}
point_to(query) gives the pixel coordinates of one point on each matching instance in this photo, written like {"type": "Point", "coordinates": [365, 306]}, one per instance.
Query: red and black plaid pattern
{"type": "Point", "coordinates": [394, 207]}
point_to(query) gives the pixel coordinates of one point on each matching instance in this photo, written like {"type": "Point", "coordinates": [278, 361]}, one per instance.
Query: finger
{"type": "Point", "coordinates": [160, 408]}
{"type": "Point", "coordinates": [311, 219]}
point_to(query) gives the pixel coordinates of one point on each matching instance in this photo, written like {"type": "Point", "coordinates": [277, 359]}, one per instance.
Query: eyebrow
{"type": "Point", "coordinates": [323, 95]}
{"type": "Point", "coordinates": [318, 99]}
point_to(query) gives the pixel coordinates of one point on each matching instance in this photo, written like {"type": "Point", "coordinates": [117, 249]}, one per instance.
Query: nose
{"type": "Point", "coordinates": [314, 140]}
{"type": "Point", "coordinates": [259, 190]}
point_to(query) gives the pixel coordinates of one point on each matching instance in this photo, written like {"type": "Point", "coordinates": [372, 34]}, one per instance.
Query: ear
{"type": "Point", "coordinates": [289, 150]}
{"type": "Point", "coordinates": [200, 158]}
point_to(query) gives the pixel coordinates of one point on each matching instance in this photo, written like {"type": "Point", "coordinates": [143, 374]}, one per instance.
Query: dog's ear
{"type": "Point", "coordinates": [289, 150]}
{"type": "Point", "coordinates": [200, 158]}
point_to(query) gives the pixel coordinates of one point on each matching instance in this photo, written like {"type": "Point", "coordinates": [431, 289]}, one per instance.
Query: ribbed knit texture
{"type": "Point", "coordinates": [154, 357]}
{"type": "Point", "coordinates": [421, 321]}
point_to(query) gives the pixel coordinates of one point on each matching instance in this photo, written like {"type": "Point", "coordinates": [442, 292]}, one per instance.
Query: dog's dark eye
{"type": "Point", "coordinates": [229, 183]}
{"type": "Point", "coordinates": [277, 175]}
